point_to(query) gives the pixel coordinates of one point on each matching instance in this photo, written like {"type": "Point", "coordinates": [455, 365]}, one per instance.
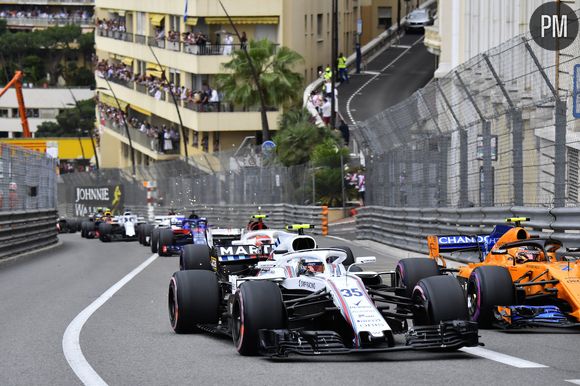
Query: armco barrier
{"type": "Point", "coordinates": [408, 228]}
{"type": "Point", "coordinates": [26, 230]}
{"type": "Point", "coordinates": [279, 215]}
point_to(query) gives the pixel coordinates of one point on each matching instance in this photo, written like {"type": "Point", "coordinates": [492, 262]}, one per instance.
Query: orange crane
{"type": "Point", "coordinates": [17, 83]}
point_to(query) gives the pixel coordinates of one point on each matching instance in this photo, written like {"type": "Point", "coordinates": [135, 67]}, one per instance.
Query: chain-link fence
{"type": "Point", "coordinates": [27, 179]}
{"type": "Point", "coordinates": [245, 176]}
{"type": "Point", "coordinates": [498, 130]}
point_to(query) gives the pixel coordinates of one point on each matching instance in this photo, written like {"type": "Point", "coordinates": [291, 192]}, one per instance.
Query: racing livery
{"type": "Point", "coordinates": [309, 303]}
{"type": "Point", "coordinates": [120, 227]}
{"type": "Point", "coordinates": [520, 281]}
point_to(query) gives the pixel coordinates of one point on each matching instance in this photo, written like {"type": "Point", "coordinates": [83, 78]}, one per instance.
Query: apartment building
{"type": "Point", "coordinates": [130, 32]}
{"type": "Point", "coordinates": [41, 14]}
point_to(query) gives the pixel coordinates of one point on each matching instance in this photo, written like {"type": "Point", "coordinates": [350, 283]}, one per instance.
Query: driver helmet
{"type": "Point", "coordinates": [313, 266]}
{"type": "Point", "coordinates": [529, 253]}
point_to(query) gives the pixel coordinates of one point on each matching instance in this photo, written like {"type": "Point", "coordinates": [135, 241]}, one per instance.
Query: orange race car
{"type": "Point", "coordinates": [520, 281]}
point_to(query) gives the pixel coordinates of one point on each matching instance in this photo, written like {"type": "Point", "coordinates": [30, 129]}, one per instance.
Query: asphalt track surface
{"type": "Point", "coordinates": [128, 340]}
{"type": "Point", "coordinates": [387, 80]}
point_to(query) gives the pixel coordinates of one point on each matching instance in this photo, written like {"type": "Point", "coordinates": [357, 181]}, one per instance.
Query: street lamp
{"type": "Point", "coordinates": [124, 123]}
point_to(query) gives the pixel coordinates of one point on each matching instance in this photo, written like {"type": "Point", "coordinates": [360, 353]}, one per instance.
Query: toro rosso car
{"type": "Point", "coordinates": [308, 303]}
{"type": "Point", "coordinates": [120, 227]}
{"type": "Point", "coordinates": [181, 232]}
{"type": "Point", "coordinates": [520, 281]}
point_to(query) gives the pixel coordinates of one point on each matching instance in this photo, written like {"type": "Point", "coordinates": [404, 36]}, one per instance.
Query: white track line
{"type": "Point", "coordinates": [574, 381]}
{"type": "Point", "coordinates": [502, 358]}
{"type": "Point", "coordinates": [339, 238]}
{"type": "Point", "coordinates": [71, 339]}
{"type": "Point", "coordinates": [348, 111]}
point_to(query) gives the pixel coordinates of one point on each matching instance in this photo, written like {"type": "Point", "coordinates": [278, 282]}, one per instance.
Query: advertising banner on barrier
{"type": "Point", "coordinates": [88, 198]}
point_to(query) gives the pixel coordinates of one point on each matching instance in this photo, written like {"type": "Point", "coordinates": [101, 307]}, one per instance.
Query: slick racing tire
{"type": "Point", "coordinates": [194, 298]}
{"type": "Point", "coordinates": [195, 257]}
{"type": "Point", "coordinates": [71, 225]}
{"type": "Point", "coordinates": [409, 271]}
{"type": "Point", "coordinates": [84, 231]}
{"type": "Point", "coordinates": [440, 299]}
{"type": "Point", "coordinates": [139, 232]}
{"type": "Point", "coordinates": [165, 240]}
{"type": "Point", "coordinates": [146, 230]}
{"type": "Point", "coordinates": [257, 305]}
{"type": "Point", "coordinates": [90, 230]}
{"type": "Point", "coordinates": [349, 255]}
{"type": "Point", "coordinates": [154, 240]}
{"type": "Point", "coordinates": [487, 287]}
{"type": "Point", "coordinates": [105, 230]}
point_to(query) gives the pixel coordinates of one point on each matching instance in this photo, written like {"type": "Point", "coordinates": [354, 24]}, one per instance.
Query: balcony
{"type": "Point", "coordinates": [141, 142]}
{"type": "Point", "coordinates": [28, 22]}
{"type": "Point", "coordinates": [213, 117]}
{"type": "Point", "coordinates": [50, 2]}
{"type": "Point", "coordinates": [199, 7]}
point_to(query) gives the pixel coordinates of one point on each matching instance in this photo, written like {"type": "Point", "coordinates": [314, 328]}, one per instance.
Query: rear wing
{"type": "Point", "coordinates": [463, 243]}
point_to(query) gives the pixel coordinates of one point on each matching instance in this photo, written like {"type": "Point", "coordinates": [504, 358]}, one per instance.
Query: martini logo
{"type": "Point", "coordinates": [554, 26]}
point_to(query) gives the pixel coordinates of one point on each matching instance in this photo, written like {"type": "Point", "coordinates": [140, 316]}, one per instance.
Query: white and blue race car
{"type": "Point", "coordinates": [307, 302]}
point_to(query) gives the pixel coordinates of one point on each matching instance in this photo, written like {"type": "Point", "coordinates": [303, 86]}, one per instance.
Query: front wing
{"type": "Point", "coordinates": [450, 335]}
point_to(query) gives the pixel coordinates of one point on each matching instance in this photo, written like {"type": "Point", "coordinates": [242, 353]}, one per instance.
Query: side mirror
{"type": "Point", "coordinates": [365, 260]}
{"type": "Point", "coordinates": [499, 252]}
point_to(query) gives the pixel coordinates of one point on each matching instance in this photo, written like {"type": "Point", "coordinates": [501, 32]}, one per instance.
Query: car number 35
{"type": "Point", "coordinates": [348, 292]}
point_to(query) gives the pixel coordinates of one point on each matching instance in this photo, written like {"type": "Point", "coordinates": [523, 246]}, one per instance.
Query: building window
{"type": "Point", "coordinates": [216, 141]}
{"type": "Point", "coordinates": [319, 26]}
{"type": "Point", "coordinates": [195, 139]}
{"type": "Point", "coordinates": [174, 23]}
{"type": "Point", "coordinates": [385, 18]}
{"type": "Point", "coordinates": [3, 113]}
{"type": "Point", "coordinates": [305, 24]}
{"type": "Point", "coordinates": [141, 23]}
{"type": "Point", "coordinates": [205, 142]}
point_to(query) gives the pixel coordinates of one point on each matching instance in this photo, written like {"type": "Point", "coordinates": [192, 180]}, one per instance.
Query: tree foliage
{"type": "Point", "coordinates": [327, 162]}
{"type": "Point", "coordinates": [55, 46]}
{"type": "Point", "coordinates": [71, 122]}
{"type": "Point", "coordinates": [282, 86]}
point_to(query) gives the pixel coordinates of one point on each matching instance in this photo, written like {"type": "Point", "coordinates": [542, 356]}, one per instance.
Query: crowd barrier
{"type": "Point", "coordinates": [26, 230]}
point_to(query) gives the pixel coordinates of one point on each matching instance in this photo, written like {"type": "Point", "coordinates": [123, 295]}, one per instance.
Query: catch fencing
{"type": "Point", "coordinates": [27, 179]}
{"type": "Point", "coordinates": [408, 228]}
{"type": "Point", "coordinates": [498, 130]}
{"type": "Point", "coordinates": [248, 176]}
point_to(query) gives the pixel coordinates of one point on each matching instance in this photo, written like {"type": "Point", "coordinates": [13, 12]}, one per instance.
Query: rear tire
{"type": "Point", "coordinates": [165, 240]}
{"type": "Point", "coordinates": [154, 240]}
{"type": "Point", "coordinates": [257, 305]}
{"type": "Point", "coordinates": [442, 299]}
{"type": "Point", "coordinates": [487, 287]}
{"type": "Point", "coordinates": [195, 257]}
{"type": "Point", "coordinates": [410, 271]}
{"type": "Point", "coordinates": [105, 230]}
{"type": "Point", "coordinates": [194, 298]}
{"type": "Point", "coordinates": [147, 228]}
{"type": "Point", "coordinates": [90, 230]}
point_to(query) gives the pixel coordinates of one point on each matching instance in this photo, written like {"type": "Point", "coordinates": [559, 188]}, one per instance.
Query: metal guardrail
{"type": "Point", "coordinates": [279, 215]}
{"type": "Point", "coordinates": [408, 228]}
{"type": "Point", "coordinates": [22, 231]}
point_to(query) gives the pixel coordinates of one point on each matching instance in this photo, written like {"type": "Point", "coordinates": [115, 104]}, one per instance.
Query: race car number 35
{"type": "Point", "coordinates": [348, 292]}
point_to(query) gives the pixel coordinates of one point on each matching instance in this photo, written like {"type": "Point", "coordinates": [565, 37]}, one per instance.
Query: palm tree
{"type": "Point", "coordinates": [281, 86]}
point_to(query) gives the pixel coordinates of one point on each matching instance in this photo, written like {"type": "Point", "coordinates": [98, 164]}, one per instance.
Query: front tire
{"type": "Point", "coordinates": [195, 257]}
{"type": "Point", "coordinates": [349, 255]}
{"type": "Point", "coordinates": [194, 298]}
{"type": "Point", "coordinates": [441, 299]}
{"type": "Point", "coordinates": [488, 287]}
{"type": "Point", "coordinates": [257, 305]}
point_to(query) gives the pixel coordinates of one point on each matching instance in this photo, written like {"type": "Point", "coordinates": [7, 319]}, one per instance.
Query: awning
{"type": "Point", "coordinates": [110, 101]}
{"type": "Point", "coordinates": [191, 21]}
{"type": "Point", "coordinates": [154, 70]}
{"type": "Point", "coordinates": [156, 19]}
{"type": "Point", "coordinates": [243, 20]}
{"type": "Point", "coordinates": [120, 12]}
{"type": "Point", "coordinates": [127, 61]}
{"type": "Point", "coordinates": [140, 110]}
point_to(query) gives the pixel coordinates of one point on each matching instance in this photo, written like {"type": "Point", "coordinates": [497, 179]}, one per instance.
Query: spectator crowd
{"type": "Point", "coordinates": [47, 13]}
{"type": "Point", "coordinates": [204, 100]}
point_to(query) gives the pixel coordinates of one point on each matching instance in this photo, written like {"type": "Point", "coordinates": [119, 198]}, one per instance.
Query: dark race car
{"type": "Point", "coordinates": [182, 231]}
